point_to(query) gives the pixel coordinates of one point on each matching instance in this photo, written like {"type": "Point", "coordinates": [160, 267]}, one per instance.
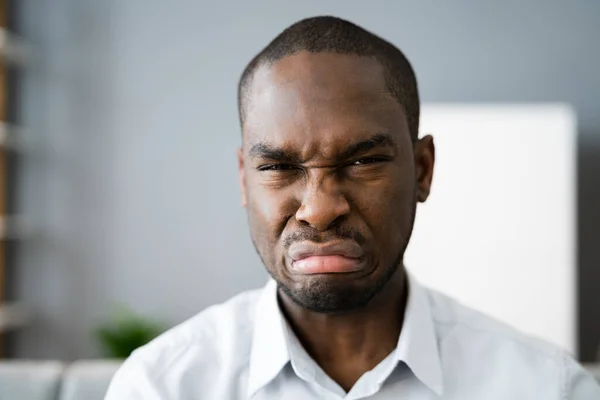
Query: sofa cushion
{"type": "Point", "coordinates": [31, 380]}
{"type": "Point", "coordinates": [88, 380]}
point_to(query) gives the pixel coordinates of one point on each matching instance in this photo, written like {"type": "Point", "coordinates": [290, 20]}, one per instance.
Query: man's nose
{"type": "Point", "coordinates": [323, 203]}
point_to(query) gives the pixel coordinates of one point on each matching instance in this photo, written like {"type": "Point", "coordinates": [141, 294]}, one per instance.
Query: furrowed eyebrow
{"type": "Point", "coordinates": [264, 150]}
{"type": "Point", "coordinates": [377, 140]}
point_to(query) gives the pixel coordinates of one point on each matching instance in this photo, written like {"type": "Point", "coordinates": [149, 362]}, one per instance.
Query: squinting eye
{"type": "Point", "coordinates": [366, 161]}
{"type": "Point", "coordinates": [276, 167]}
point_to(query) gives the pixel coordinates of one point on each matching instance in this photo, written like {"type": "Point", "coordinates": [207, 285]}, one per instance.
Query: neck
{"type": "Point", "coordinates": [347, 345]}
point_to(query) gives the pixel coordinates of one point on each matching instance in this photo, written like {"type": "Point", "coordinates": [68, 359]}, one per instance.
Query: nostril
{"type": "Point", "coordinates": [322, 206]}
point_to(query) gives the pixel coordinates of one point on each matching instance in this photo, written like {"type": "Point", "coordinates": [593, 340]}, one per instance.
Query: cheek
{"type": "Point", "coordinates": [269, 210]}
{"type": "Point", "coordinates": [388, 212]}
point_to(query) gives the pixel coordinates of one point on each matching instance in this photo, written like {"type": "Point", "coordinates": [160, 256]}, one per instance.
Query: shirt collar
{"type": "Point", "coordinates": [269, 352]}
{"type": "Point", "coordinates": [417, 344]}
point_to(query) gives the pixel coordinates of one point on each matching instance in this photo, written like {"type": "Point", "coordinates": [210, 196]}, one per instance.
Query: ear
{"type": "Point", "coordinates": [424, 162]}
{"type": "Point", "coordinates": [242, 175]}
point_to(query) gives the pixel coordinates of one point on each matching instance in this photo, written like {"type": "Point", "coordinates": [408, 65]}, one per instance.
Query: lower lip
{"type": "Point", "coordinates": [327, 265]}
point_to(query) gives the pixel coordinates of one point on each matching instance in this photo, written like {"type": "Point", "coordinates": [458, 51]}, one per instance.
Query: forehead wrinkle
{"type": "Point", "coordinates": [304, 110]}
{"type": "Point", "coordinates": [311, 75]}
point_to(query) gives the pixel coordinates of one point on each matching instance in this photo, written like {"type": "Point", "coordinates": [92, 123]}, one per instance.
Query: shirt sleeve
{"type": "Point", "coordinates": [580, 384]}
{"type": "Point", "coordinates": [132, 382]}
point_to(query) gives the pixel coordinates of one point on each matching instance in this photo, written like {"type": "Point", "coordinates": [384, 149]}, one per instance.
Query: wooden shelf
{"type": "Point", "coordinates": [14, 227]}
{"type": "Point", "coordinates": [13, 48]}
{"type": "Point", "coordinates": [12, 137]}
{"type": "Point", "coordinates": [12, 316]}
{"type": "Point", "coordinates": [9, 315]}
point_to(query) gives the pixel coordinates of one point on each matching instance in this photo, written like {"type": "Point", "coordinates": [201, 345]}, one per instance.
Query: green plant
{"type": "Point", "coordinates": [125, 333]}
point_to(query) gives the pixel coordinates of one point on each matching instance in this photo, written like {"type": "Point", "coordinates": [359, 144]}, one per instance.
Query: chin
{"type": "Point", "coordinates": [325, 296]}
{"type": "Point", "coordinates": [335, 293]}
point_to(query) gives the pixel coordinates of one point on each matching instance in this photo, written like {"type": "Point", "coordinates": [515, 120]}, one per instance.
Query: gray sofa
{"type": "Point", "coordinates": [54, 380]}
{"type": "Point", "coordinates": [82, 380]}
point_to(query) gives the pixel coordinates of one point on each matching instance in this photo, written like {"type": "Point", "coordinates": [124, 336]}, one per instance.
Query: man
{"type": "Point", "coordinates": [331, 171]}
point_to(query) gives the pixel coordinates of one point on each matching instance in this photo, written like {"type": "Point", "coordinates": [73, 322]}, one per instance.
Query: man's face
{"type": "Point", "coordinates": [329, 177]}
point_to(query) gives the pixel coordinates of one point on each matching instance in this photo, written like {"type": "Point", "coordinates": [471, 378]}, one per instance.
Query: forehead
{"type": "Point", "coordinates": [320, 100]}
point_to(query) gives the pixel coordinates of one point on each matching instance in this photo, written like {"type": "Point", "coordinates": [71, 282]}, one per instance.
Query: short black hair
{"type": "Point", "coordinates": [335, 35]}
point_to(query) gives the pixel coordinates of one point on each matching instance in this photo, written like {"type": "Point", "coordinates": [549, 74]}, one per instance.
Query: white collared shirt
{"type": "Point", "coordinates": [244, 349]}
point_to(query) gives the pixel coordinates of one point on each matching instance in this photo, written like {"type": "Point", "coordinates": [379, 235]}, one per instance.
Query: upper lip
{"type": "Point", "coordinates": [345, 248]}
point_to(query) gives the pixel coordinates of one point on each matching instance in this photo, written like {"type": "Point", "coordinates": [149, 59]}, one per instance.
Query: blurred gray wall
{"type": "Point", "coordinates": [133, 189]}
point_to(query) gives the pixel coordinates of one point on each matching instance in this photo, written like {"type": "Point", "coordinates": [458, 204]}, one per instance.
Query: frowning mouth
{"type": "Point", "coordinates": [326, 258]}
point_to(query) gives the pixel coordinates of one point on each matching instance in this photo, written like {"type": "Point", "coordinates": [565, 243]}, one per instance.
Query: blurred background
{"type": "Point", "coordinates": [119, 176]}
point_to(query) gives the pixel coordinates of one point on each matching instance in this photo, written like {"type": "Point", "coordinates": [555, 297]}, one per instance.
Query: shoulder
{"type": "Point", "coordinates": [210, 335]}
{"type": "Point", "coordinates": [453, 319]}
{"type": "Point", "coordinates": [480, 348]}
